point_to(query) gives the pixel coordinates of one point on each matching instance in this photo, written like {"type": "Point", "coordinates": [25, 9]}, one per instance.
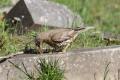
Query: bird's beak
{"type": "Point", "coordinates": [83, 29]}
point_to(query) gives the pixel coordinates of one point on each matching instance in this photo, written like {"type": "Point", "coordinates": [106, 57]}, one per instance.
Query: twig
{"type": "Point", "coordinates": [12, 55]}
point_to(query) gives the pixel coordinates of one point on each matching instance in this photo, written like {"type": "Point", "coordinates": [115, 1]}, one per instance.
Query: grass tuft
{"type": "Point", "coordinates": [46, 70]}
{"type": "Point", "coordinates": [106, 71]}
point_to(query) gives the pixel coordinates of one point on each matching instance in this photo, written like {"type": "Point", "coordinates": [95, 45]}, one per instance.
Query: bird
{"type": "Point", "coordinates": [59, 38]}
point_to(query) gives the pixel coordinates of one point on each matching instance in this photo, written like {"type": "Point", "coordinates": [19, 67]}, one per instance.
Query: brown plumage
{"type": "Point", "coordinates": [59, 38]}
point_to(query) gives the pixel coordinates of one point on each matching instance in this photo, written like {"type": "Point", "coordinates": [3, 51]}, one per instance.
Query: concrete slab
{"type": "Point", "coordinates": [82, 64]}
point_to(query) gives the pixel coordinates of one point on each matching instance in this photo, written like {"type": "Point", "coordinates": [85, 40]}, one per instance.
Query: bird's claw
{"type": "Point", "coordinates": [50, 53]}
{"type": "Point", "coordinates": [61, 52]}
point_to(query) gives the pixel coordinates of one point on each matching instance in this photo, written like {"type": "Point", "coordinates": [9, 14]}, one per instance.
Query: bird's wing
{"type": "Point", "coordinates": [63, 35]}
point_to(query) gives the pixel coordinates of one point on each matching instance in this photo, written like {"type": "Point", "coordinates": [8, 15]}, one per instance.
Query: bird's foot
{"type": "Point", "coordinates": [41, 51]}
{"type": "Point", "coordinates": [61, 52]}
{"type": "Point", "coordinates": [50, 53]}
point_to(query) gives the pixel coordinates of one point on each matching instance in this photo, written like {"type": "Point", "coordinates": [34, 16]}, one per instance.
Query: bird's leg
{"type": "Point", "coordinates": [65, 48]}
{"type": "Point", "coordinates": [40, 48]}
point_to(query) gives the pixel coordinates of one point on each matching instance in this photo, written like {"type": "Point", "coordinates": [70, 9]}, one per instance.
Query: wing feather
{"type": "Point", "coordinates": [63, 36]}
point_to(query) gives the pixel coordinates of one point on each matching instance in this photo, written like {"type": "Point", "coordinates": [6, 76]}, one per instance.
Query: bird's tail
{"type": "Point", "coordinates": [83, 29]}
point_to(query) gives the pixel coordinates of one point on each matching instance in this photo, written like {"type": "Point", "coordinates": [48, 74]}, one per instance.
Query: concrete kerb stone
{"type": "Point", "coordinates": [82, 64]}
